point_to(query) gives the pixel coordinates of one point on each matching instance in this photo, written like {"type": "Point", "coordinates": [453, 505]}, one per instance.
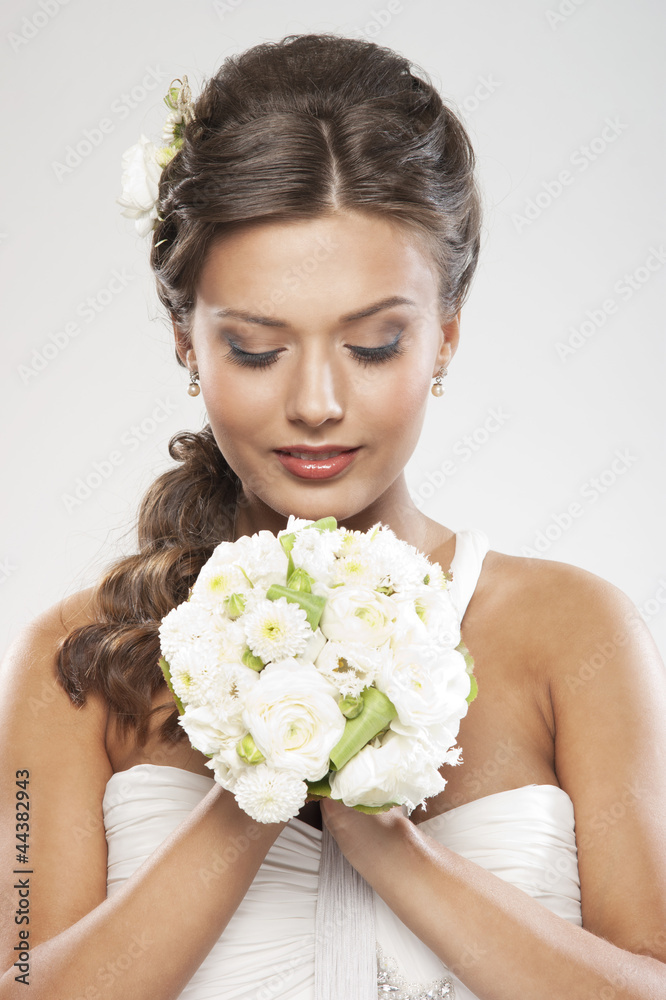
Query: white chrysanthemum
{"type": "Point", "coordinates": [357, 565]}
{"type": "Point", "coordinates": [262, 559]}
{"type": "Point", "coordinates": [228, 687]}
{"type": "Point", "coordinates": [270, 796]}
{"type": "Point", "coordinates": [226, 638]}
{"type": "Point", "coordinates": [276, 630]}
{"type": "Point", "coordinates": [216, 582]}
{"type": "Point", "coordinates": [294, 524]}
{"type": "Point", "coordinates": [314, 551]}
{"type": "Point", "coordinates": [191, 672]}
{"type": "Point", "coordinates": [402, 566]}
{"type": "Point", "coordinates": [182, 626]}
{"type": "Point", "coordinates": [436, 577]}
{"type": "Point", "coordinates": [350, 666]}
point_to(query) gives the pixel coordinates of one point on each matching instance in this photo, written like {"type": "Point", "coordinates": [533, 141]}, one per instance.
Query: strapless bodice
{"type": "Point", "coordinates": [524, 835]}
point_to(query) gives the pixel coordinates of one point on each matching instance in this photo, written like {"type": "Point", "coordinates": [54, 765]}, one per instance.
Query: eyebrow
{"type": "Point", "coordinates": [246, 317]}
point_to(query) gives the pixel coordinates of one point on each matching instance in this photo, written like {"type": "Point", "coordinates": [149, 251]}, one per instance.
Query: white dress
{"type": "Point", "coordinates": [524, 835]}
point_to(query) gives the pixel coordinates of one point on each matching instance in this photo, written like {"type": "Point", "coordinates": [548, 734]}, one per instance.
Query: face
{"type": "Point", "coordinates": [319, 334]}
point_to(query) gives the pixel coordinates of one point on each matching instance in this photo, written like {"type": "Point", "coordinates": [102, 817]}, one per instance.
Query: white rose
{"type": "Point", "coordinates": [203, 728]}
{"type": "Point", "coordinates": [358, 614]}
{"type": "Point", "coordinates": [140, 184]}
{"type": "Point", "coordinates": [294, 719]}
{"type": "Point", "coordinates": [399, 771]}
{"type": "Point", "coordinates": [428, 686]}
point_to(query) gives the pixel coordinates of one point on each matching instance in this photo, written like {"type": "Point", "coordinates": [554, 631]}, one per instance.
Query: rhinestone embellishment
{"type": "Point", "coordinates": [391, 983]}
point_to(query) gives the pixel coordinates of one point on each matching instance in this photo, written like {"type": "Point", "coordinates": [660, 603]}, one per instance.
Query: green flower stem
{"type": "Point", "coordinates": [167, 677]}
{"type": "Point", "coordinates": [375, 809]}
{"type": "Point", "coordinates": [312, 604]}
{"type": "Point", "coordinates": [377, 713]}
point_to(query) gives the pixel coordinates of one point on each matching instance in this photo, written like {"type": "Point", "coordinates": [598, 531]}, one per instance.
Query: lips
{"type": "Point", "coordinates": [321, 462]}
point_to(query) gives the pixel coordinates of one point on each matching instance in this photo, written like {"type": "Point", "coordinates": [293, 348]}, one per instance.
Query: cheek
{"type": "Point", "coordinates": [396, 405]}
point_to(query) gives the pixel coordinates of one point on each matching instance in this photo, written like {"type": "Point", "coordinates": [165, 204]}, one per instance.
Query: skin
{"type": "Point", "coordinates": [529, 624]}
{"type": "Point", "coordinates": [539, 718]}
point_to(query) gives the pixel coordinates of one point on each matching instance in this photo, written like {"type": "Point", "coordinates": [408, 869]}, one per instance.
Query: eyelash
{"type": "Point", "coordinates": [366, 355]}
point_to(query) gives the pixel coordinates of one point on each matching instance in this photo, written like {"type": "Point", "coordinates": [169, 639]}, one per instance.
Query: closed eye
{"type": "Point", "coordinates": [366, 355]}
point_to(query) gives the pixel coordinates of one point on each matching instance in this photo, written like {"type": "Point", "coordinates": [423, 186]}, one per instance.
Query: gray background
{"type": "Point", "coordinates": [536, 83]}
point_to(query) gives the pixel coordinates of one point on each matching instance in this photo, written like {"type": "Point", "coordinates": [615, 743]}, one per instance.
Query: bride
{"type": "Point", "coordinates": [314, 238]}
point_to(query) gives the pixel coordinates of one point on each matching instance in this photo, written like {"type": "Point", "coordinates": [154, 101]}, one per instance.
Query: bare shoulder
{"type": "Point", "coordinates": [550, 608]}
{"type": "Point", "coordinates": [29, 675]}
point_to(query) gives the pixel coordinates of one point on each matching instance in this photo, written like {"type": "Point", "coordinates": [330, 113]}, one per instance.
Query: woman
{"type": "Point", "coordinates": [315, 238]}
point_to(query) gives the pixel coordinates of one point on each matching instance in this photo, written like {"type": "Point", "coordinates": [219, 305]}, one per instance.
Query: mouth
{"type": "Point", "coordinates": [316, 463]}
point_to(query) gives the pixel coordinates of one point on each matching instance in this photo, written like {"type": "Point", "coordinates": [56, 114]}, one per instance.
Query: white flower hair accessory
{"type": "Point", "coordinates": [144, 162]}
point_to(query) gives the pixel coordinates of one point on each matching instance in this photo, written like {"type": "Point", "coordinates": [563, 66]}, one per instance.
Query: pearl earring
{"type": "Point", "coordinates": [193, 388]}
{"type": "Point", "coordinates": [437, 389]}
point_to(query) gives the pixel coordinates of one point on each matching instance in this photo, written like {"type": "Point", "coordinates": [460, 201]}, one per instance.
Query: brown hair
{"type": "Point", "coordinates": [288, 130]}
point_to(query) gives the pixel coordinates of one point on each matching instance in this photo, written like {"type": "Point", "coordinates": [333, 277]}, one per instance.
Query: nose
{"type": "Point", "coordinates": [315, 393]}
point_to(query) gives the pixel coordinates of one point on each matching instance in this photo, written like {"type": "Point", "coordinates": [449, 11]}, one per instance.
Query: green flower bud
{"type": "Point", "coordinates": [351, 706]}
{"type": "Point", "coordinates": [300, 580]}
{"type": "Point", "coordinates": [252, 661]}
{"type": "Point", "coordinates": [248, 750]}
{"type": "Point", "coordinates": [235, 605]}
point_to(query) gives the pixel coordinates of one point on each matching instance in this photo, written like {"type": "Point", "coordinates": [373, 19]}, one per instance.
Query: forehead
{"type": "Point", "coordinates": [316, 261]}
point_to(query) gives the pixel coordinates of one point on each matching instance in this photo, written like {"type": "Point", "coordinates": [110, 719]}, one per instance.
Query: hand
{"type": "Point", "coordinates": [366, 840]}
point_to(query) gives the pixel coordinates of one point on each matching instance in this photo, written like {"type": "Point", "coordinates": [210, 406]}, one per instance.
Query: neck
{"type": "Point", "coordinates": [394, 508]}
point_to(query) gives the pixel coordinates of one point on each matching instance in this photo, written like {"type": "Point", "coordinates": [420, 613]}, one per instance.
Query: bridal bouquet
{"type": "Point", "coordinates": [320, 662]}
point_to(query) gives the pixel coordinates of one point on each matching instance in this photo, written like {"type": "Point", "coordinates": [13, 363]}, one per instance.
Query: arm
{"type": "Point", "coordinates": [168, 914]}
{"type": "Point", "coordinates": [610, 736]}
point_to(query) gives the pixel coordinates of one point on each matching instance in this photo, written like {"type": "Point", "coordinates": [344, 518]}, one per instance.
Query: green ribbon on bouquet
{"type": "Point", "coordinates": [378, 710]}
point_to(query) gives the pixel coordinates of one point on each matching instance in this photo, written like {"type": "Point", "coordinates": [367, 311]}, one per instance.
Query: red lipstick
{"type": "Point", "coordinates": [302, 461]}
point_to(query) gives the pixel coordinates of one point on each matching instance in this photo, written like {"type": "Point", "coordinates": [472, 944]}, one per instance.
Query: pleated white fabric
{"type": "Point", "coordinates": [267, 951]}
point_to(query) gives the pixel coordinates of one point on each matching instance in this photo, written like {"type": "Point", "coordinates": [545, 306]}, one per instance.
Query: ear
{"type": "Point", "coordinates": [184, 347]}
{"type": "Point", "coordinates": [450, 335]}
